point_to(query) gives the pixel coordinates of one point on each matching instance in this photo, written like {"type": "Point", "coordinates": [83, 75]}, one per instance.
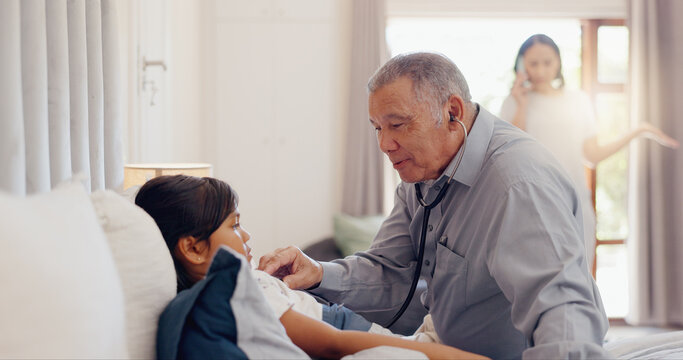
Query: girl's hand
{"type": "Point", "coordinates": [519, 91]}
{"type": "Point", "coordinates": [658, 135]}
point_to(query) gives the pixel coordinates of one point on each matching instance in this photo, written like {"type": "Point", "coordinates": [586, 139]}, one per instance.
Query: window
{"type": "Point", "coordinates": [485, 48]}
{"type": "Point", "coordinates": [604, 76]}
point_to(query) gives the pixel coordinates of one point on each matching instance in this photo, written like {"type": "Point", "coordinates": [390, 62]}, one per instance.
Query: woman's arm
{"type": "Point", "coordinates": [321, 340]}
{"type": "Point", "coordinates": [594, 152]}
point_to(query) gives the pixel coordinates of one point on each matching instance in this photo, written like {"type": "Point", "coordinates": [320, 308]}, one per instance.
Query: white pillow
{"type": "Point", "coordinates": [61, 294]}
{"type": "Point", "coordinates": [144, 264]}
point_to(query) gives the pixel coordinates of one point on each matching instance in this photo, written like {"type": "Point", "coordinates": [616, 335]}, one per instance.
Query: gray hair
{"type": "Point", "coordinates": [435, 78]}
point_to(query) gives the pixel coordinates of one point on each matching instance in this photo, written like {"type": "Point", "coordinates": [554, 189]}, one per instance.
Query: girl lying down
{"type": "Point", "coordinates": [198, 215]}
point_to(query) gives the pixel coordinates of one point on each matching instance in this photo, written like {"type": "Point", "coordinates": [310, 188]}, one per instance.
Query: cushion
{"type": "Point", "coordinates": [144, 265]}
{"type": "Point", "coordinates": [61, 293]}
{"type": "Point", "coordinates": [353, 234]}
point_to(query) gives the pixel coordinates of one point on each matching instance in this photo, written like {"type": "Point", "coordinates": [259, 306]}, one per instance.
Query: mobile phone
{"type": "Point", "coordinates": [519, 68]}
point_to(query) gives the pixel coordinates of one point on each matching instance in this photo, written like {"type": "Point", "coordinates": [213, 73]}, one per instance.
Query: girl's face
{"type": "Point", "coordinates": [542, 64]}
{"type": "Point", "coordinates": [231, 234]}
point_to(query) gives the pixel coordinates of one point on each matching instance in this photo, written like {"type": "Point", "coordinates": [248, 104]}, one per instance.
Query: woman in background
{"type": "Point", "coordinates": [563, 120]}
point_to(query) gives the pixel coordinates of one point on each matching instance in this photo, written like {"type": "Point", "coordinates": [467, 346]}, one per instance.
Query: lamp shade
{"type": "Point", "coordinates": [138, 174]}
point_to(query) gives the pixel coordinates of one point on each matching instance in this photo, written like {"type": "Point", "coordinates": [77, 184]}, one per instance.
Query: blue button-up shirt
{"type": "Point", "coordinates": [504, 258]}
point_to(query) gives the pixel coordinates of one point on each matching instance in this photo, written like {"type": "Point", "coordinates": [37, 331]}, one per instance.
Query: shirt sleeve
{"type": "Point", "coordinates": [276, 297]}
{"type": "Point", "coordinates": [508, 109]}
{"type": "Point", "coordinates": [380, 277]}
{"type": "Point", "coordinates": [538, 261]}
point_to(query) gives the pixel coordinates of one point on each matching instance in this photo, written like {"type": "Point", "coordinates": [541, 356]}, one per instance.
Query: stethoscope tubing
{"type": "Point", "coordinates": [425, 222]}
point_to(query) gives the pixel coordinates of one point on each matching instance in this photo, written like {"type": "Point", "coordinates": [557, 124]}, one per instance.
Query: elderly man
{"type": "Point", "coordinates": [504, 258]}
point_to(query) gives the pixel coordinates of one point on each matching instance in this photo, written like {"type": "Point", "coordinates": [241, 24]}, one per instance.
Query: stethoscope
{"type": "Point", "coordinates": [428, 208]}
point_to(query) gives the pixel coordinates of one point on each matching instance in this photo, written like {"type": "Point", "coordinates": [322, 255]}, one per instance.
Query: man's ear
{"type": "Point", "coordinates": [192, 250]}
{"type": "Point", "coordinates": [456, 108]}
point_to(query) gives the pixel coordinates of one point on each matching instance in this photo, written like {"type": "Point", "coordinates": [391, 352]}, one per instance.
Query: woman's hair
{"type": "Point", "coordinates": [435, 78]}
{"type": "Point", "coordinates": [186, 206]}
{"type": "Point", "coordinates": [540, 39]}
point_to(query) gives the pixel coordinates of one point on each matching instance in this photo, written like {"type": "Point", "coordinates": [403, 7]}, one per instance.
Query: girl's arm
{"type": "Point", "coordinates": [594, 152]}
{"type": "Point", "coordinates": [320, 340]}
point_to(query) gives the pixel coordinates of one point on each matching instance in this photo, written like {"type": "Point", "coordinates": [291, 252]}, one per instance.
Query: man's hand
{"type": "Point", "coordinates": [291, 265]}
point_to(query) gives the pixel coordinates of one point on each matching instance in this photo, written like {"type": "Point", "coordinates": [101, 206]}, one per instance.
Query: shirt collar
{"type": "Point", "coordinates": [474, 151]}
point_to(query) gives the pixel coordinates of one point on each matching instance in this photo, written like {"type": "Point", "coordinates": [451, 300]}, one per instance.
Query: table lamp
{"type": "Point", "coordinates": [138, 174]}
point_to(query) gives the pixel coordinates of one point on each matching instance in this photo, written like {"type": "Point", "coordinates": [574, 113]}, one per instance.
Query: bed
{"type": "Point", "coordinates": [668, 345]}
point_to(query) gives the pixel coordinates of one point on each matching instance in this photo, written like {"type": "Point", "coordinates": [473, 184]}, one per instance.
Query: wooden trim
{"type": "Point", "coordinates": [589, 56]}
{"type": "Point", "coordinates": [609, 22]}
{"type": "Point", "coordinates": [589, 65]}
{"type": "Point", "coordinates": [609, 88]}
{"type": "Point", "coordinates": [617, 322]}
{"type": "Point", "coordinates": [610, 242]}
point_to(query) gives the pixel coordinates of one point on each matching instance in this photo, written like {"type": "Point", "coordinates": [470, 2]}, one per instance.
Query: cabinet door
{"type": "Point", "coordinates": [243, 137]}
{"type": "Point", "coordinates": [304, 131]}
{"type": "Point", "coordinates": [274, 123]}
{"type": "Point", "coordinates": [151, 134]}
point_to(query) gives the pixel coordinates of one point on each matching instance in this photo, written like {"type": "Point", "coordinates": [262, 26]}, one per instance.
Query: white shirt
{"type": "Point", "coordinates": [281, 298]}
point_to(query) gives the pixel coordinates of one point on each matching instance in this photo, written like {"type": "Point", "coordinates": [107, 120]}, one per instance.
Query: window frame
{"type": "Point", "coordinates": [591, 85]}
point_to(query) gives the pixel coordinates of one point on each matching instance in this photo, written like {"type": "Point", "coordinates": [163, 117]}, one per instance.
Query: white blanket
{"type": "Point", "coordinates": [667, 345]}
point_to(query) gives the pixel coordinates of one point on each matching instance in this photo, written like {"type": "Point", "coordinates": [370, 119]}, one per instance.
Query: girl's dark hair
{"type": "Point", "coordinates": [540, 39]}
{"type": "Point", "coordinates": [186, 206]}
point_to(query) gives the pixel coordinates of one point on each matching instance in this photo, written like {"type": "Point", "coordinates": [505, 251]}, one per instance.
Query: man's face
{"type": "Point", "coordinates": [408, 133]}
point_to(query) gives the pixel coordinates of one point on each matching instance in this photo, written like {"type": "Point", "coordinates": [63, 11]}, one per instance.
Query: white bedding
{"type": "Point", "coordinates": [667, 345]}
{"type": "Point", "coordinates": [664, 346]}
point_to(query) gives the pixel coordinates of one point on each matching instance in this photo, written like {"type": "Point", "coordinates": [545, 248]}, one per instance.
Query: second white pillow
{"type": "Point", "coordinates": [144, 264]}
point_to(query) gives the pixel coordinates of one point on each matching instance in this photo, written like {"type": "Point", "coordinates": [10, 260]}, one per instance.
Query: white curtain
{"type": "Point", "coordinates": [60, 94]}
{"type": "Point", "coordinates": [363, 171]}
{"type": "Point", "coordinates": [655, 243]}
